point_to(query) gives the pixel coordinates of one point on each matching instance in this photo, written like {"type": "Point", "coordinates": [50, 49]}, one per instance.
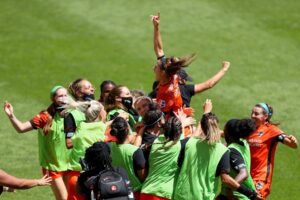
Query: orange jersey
{"type": "Point", "coordinates": [263, 143]}
{"type": "Point", "coordinates": [168, 96]}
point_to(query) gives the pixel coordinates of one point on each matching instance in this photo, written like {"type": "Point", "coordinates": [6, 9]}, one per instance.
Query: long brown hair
{"type": "Point", "coordinates": [91, 109]}
{"type": "Point", "coordinates": [74, 87]}
{"type": "Point", "coordinates": [50, 111]}
{"type": "Point", "coordinates": [210, 128]}
{"type": "Point", "coordinates": [173, 64]}
{"type": "Point", "coordinates": [172, 130]}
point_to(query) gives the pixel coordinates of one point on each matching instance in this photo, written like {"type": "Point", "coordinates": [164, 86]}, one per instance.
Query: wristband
{"type": "Point", "coordinates": [247, 192]}
{"type": "Point", "coordinates": [158, 58]}
{"type": "Point", "coordinates": [69, 135]}
{"type": "Point", "coordinates": [163, 62]}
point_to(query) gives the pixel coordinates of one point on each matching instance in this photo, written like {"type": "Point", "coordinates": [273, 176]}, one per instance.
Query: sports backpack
{"type": "Point", "coordinates": [108, 184]}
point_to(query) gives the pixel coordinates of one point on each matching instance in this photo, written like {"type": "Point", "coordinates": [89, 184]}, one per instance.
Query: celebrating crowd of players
{"type": "Point", "coordinates": [154, 138]}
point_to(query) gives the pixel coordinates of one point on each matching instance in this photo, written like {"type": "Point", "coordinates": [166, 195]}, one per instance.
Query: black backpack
{"type": "Point", "coordinates": [108, 184]}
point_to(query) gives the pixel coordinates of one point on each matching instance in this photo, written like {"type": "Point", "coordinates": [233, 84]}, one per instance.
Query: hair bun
{"type": "Point", "coordinates": [113, 131]}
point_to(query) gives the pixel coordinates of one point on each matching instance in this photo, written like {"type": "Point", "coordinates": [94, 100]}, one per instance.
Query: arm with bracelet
{"type": "Point", "coordinates": [224, 169]}
{"type": "Point", "coordinates": [69, 129]}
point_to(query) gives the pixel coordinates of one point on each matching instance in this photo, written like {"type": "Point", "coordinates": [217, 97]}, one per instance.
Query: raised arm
{"type": "Point", "coordinates": [200, 87]}
{"type": "Point", "coordinates": [21, 127]}
{"type": "Point", "coordinates": [185, 120]}
{"type": "Point", "coordinates": [13, 182]}
{"type": "Point", "coordinates": [207, 106]}
{"type": "Point", "coordinates": [157, 41]}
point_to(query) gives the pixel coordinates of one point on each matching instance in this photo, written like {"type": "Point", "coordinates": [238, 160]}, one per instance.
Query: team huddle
{"type": "Point", "coordinates": [128, 145]}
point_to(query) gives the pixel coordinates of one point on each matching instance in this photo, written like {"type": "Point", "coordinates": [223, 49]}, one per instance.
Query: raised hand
{"type": "Point", "coordinates": [207, 106]}
{"type": "Point", "coordinates": [225, 65]}
{"type": "Point", "coordinates": [155, 19]}
{"type": "Point", "coordinates": [180, 114]}
{"type": "Point", "coordinates": [8, 109]}
{"type": "Point", "coordinates": [291, 141]}
{"type": "Point", "coordinates": [189, 121]}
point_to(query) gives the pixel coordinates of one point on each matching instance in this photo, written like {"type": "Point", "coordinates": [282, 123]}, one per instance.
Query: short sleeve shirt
{"type": "Point", "coordinates": [40, 120]}
{"type": "Point", "coordinates": [236, 160]}
{"type": "Point", "coordinates": [187, 91]}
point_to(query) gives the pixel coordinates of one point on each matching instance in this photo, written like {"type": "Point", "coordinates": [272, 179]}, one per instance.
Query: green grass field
{"type": "Point", "coordinates": [45, 43]}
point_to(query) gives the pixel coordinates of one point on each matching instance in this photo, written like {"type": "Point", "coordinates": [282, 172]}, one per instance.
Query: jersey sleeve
{"type": "Point", "coordinates": [69, 126]}
{"type": "Point", "coordinates": [40, 120]}
{"type": "Point", "coordinates": [182, 150]}
{"type": "Point", "coordinates": [274, 131]}
{"type": "Point", "coordinates": [190, 89]}
{"type": "Point", "coordinates": [280, 137]}
{"type": "Point", "coordinates": [152, 94]}
{"type": "Point", "coordinates": [224, 164]}
{"type": "Point", "coordinates": [138, 160]}
{"type": "Point", "coordinates": [236, 160]}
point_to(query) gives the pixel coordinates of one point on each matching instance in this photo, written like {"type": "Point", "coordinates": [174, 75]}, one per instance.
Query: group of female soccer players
{"type": "Point", "coordinates": [155, 139]}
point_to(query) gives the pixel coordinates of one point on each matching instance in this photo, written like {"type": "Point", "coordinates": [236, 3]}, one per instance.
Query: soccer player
{"type": "Point", "coordinates": [141, 105]}
{"type": "Point", "coordinates": [88, 132]}
{"type": "Point", "coordinates": [53, 154]}
{"type": "Point", "coordinates": [82, 90]}
{"type": "Point", "coordinates": [171, 89]}
{"type": "Point", "coordinates": [263, 143]}
{"type": "Point", "coordinates": [120, 101]}
{"type": "Point", "coordinates": [206, 164]}
{"type": "Point", "coordinates": [163, 162]}
{"type": "Point", "coordinates": [168, 93]}
{"type": "Point", "coordinates": [126, 155]}
{"type": "Point", "coordinates": [105, 88]}
{"type": "Point", "coordinates": [97, 159]}
{"type": "Point", "coordinates": [235, 132]}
